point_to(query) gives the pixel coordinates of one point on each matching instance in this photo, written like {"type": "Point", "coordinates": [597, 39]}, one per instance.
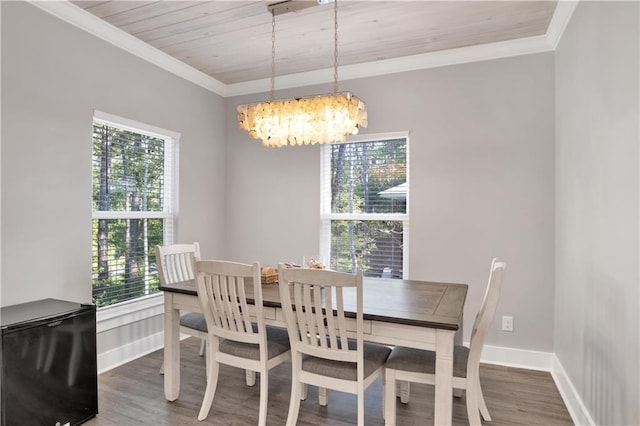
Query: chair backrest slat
{"type": "Point", "coordinates": [223, 300]}
{"type": "Point", "coordinates": [342, 323]}
{"type": "Point", "coordinates": [212, 292]}
{"type": "Point", "coordinates": [313, 304]}
{"type": "Point", "coordinates": [242, 297]}
{"type": "Point", "coordinates": [216, 293]}
{"type": "Point", "coordinates": [222, 294]}
{"type": "Point", "coordinates": [175, 262]}
{"type": "Point", "coordinates": [300, 317]}
{"type": "Point", "coordinates": [321, 330]}
{"type": "Point", "coordinates": [331, 321]}
{"type": "Point", "coordinates": [305, 301]}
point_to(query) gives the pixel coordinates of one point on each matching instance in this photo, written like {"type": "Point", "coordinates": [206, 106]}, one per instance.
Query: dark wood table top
{"type": "Point", "coordinates": [410, 302]}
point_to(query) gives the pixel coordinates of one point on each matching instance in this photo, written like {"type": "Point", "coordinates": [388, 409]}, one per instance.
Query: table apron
{"type": "Point", "coordinates": [183, 302]}
{"type": "Point", "coordinates": [374, 331]}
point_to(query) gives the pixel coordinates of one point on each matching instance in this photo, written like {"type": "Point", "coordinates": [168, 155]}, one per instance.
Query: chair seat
{"type": "Point", "coordinates": [374, 356]}
{"type": "Point", "coordinates": [194, 320]}
{"type": "Point", "coordinates": [277, 343]}
{"type": "Point", "coordinates": [420, 361]}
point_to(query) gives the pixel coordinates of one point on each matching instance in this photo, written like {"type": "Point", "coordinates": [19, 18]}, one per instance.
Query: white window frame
{"type": "Point", "coordinates": [326, 216]}
{"type": "Point", "coordinates": [129, 311]}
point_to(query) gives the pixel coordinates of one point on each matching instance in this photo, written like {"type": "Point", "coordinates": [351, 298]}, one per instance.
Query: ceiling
{"type": "Point", "coordinates": [230, 41]}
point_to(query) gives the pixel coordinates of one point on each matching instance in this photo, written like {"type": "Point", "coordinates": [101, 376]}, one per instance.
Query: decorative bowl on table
{"type": "Point", "coordinates": [313, 262]}
{"type": "Point", "coordinates": [269, 275]}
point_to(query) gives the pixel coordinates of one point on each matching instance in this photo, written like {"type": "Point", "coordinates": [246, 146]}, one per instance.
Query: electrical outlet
{"type": "Point", "coordinates": [507, 323]}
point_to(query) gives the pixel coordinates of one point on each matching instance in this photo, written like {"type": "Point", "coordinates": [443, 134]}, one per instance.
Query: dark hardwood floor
{"type": "Point", "coordinates": [133, 395]}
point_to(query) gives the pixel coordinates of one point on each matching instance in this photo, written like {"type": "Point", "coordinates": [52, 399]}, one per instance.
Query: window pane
{"type": "Point", "coordinates": [124, 258]}
{"type": "Point", "coordinates": [132, 172]}
{"type": "Point", "coordinates": [128, 170]}
{"type": "Point", "coordinates": [373, 246]}
{"type": "Point", "coordinates": [369, 177]}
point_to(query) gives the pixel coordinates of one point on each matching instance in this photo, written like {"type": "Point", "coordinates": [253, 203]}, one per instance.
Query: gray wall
{"type": "Point", "coordinates": [481, 176]}
{"type": "Point", "coordinates": [596, 332]}
{"type": "Point", "coordinates": [53, 76]}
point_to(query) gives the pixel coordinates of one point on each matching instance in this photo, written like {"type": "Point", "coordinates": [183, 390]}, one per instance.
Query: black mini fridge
{"type": "Point", "coordinates": [49, 364]}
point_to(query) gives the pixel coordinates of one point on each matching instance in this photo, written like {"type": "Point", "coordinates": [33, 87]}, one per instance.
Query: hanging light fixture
{"type": "Point", "coordinates": [308, 120]}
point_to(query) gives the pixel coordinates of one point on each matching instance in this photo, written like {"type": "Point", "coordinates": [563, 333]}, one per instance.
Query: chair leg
{"type": "Point", "coordinates": [482, 404]}
{"type": "Point", "coordinates": [303, 391]}
{"type": "Point", "coordinates": [294, 404]}
{"type": "Point", "coordinates": [384, 396]}
{"type": "Point", "coordinates": [360, 398]}
{"type": "Point", "coordinates": [207, 355]}
{"type": "Point", "coordinates": [250, 377]}
{"type": "Point", "coordinates": [212, 383]}
{"type": "Point", "coordinates": [264, 397]}
{"type": "Point", "coordinates": [322, 396]}
{"type": "Point", "coordinates": [296, 390]}
{"type": "Point", "coordinates": [389, 397]}
{"type": "Point", "coordinates": [203, 344]}
{"type": "Point", "coordinates": [473, 411]}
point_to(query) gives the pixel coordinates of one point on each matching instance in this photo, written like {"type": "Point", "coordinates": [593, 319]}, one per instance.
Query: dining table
{"type": "Point", "coordinates": [412, 313]}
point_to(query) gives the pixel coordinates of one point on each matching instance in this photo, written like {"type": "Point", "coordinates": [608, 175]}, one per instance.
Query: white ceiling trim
{"type": "Point", "coordinates": [84, 20]}
{"type": "Point", "coordinates": [559, 20]}
{"type": "Point", "coordinates": [503, 49]}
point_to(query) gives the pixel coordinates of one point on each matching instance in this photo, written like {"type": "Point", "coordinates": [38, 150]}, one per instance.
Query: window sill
{"type": "Point", "coordinates": [111, 317]}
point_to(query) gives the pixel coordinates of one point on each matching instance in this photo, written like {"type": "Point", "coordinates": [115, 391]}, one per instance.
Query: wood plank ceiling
{"type": "Point", "coordinates": [231, 40]}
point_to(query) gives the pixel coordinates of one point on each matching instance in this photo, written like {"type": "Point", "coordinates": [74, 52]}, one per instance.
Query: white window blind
{"type": "Point", "coordinates": [364, 205]}
{"type": "Point", "coordinates": [133, 206]}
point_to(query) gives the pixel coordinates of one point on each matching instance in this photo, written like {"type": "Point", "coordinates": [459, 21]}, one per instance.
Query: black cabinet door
{"type": "Point", "coordinates": [49, 371]}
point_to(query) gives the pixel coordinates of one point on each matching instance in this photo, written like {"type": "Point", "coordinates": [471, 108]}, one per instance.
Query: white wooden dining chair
{"type": "Point", "coordinates": [418, 366]}
{"type": "Point", "coordinates": [175, 264]}
{"type": "Point", "coordinates": [237, 334]}
{"type": "Point", "coordinates": [313, 303]}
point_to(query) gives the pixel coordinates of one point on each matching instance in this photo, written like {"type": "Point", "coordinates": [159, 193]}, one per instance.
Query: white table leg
{"type": "Point", "coordinates": [457, 341]}
{"type": "Point", "coordinates": [444, 377]}
{"type": "Point", "coordinates": [405, 390]}
{"type": "Point", "coordinates": [171, 349]}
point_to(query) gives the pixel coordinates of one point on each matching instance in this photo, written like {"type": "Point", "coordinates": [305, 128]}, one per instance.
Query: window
{"type": "Point", "coordinates": [364, 213]}
{"type": "Point", "coordinates": [133, 206]}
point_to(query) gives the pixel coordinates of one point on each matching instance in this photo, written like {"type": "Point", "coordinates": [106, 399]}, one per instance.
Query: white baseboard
{"type": "Point", "coordinates": [579, 413]}
{"type": "Point", "coordinates": [544, 361]}
{"type": "Point", "coordinates": [123, 354]}
{"type": "Point", "coordinates": [518, 358]}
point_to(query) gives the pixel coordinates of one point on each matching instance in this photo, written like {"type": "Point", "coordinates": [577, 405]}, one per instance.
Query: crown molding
{"type": "Point", "coordinates": [502, 49]}
{"type": "Point", "coordinates": [78, 17]}
{"type": "Point", "coordinates": [559, 21]}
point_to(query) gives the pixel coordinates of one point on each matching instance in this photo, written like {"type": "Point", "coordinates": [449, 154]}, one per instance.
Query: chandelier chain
{"type": "Point", "coordinates": [335, 46]}
{"type": "Point", "coordinates": [273, 55]}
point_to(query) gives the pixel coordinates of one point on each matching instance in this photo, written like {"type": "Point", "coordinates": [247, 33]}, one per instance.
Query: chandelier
{"type": "Point", "coordinates": [307, 120]}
